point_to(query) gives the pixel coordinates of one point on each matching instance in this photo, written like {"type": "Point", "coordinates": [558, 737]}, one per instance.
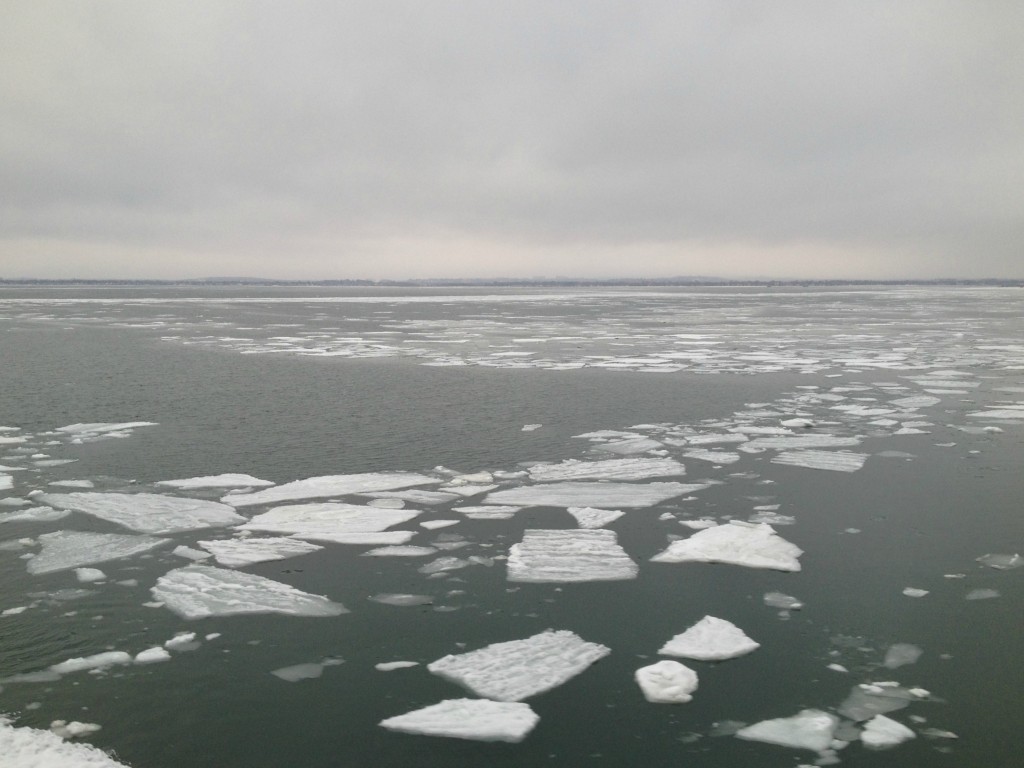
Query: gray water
{"type": "Point", "coordinates": [285, 384]}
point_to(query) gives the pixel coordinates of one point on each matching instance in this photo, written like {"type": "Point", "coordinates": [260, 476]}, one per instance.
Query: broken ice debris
{"type": "Point", "coordinates": [331, 485]}
{"type": "Point", "coordinates": [34, 515]}
{"type": "Point", "coordinates": [1002, 562]}
{"type": "Point", "coordinates": [667, 682]}
{"type": "Point", "coordinates": [217, 481]}
{"type": "Point", "coordinates": [710, 639]}
{"type": "Point", "coordinates": [475, 719]}
{"type": "Point", "coordinates": [97, 431]}
{"type": "Point", "coordinates": [736, 543]}
{"type": "Point", "coordinates": [407, 550]}
{"type": "Point", "coordinates": [391, 666]}
{"type": "Point", "coordinates": [799, 442]}
{"type": "Point", "coordinates": [63, 550]}
{"type": "Point", "coordinates": [73, 730]}
{"type": "Point", "coordinates": [881, 732]}
{"type": "Point", "coordinates": [402, 600]}
{"type": "Point", "coordinates": [487, 512]}
{"type": "Point", "coordinates": [31, 747]}
{"type": "Point", "coordinates": [914, 592]}
{"type": "Point", "coordinates": [199, 591]}
{"type": "Point", "coordinates": [602, 495]}
{"type": "Point", "coordinates": [146, 512]}
{"type": "Point", "coordinates": [328, 518]}
{"type": "Point", "coordinates": [152, 656]}
{"type": "Point", "coordinates": [867, 700]}
{"type": "Point", "coordinates": [780, 600]}
{"type": "Point", "coordinates": [518, 669]}
{"type": "Point", "coordinates": [809, 729]}
{"type": "Point", "coordinates": [715, 457]}
{"type": "Point", "coordinates": [96, 661]}
{"type": "Point", "coordinates": [569, 556]}
{"type": "Point", "coordinates": [589, 517]}
{"type": "Point", "coordinates": [832, 460]}
{"type": "Point", "coordinates": [237, 553]}
{"type": "Point", "coordinates": [310, 671]}
{"type": "Point", "coordinates": [608, 469]}
{"type": "Point", "coordinates": [901, 654]}
{"type": "Point", "coordinates": [86, 575]}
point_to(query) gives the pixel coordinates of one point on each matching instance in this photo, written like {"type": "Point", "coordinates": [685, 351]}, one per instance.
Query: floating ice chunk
{"type": "Point", "coordinates": [400, 551]}
{"type": "Point", "coordinates": [601, 495]}
{"type": "Point", "coordinates": [798, 423]}
{"type": "Point", "coordinates": [799, 442]}
{"type": "Point", "coordinates": [837, 668]}
{"type": "Point", "coordinates": [382, 539]}
{"type": "Point", "coordinates": [488, 512]}
{"type": "Point", "coordinates": [73, 483]}
{"type": "Point", "coordinates": [715, 439]}
{"type": "Point", "coordinates": [999, 413]}
{"type": "Point", "coordinates": [99, 430]}
{"type": "Point", "coordinates": [183, 641]}
{"type": "Point", "coordinates": [881, 732]}
{"type": "Point", "coordinates": [531, 427]}
{"type": "Point", "coordinates": [771, 518]}
{"type": "Point", "coordinates": [569, 556]}
{"type": "Point", "coordinates": [72, 730]}
{"type": "Point", "coordinates": [901, 654]}
{"type": "Point", "coordinates": [198, 591]}
{"type": "Point", "coordinates": [63, 550]}
{"type": "Point", "coordinates": [710, 639]}
{"type": "Point", "coordinates": [152, 656]}
{"type": "Point", "coordinates": [237, 553]}
{"type": "Point", "coordinates": [432, 525]}
{"type": "Point", "coordinates": [608, 469]}
{"type": "Point", "coordinates": [14, 611]}
{"type": "Point", "coordinates": [386, 503]}
{"type": "Point", "coordinates": [630, 446]}
{"type": "Point", "coordinates": [96, 661]}
{"type": "Point", "coordinates": [190, 554]}
{"type": "Point", "coordinates": [217, 481]}
{"type": "Point", "coordinates": [146, 512]}
{"type": "Point", "coordinates": [589, 517]}
{"type": "Point", "coordinates": [297, 672]}
{"type": "Point", "coordinates": [809, 729]}
{"type": "Point", "coordinates": [785, 602]}
{"type": "Point", "coordinates": [331, 485]}
{"type": "Point", "coordinates": [469, 490]}
{"type": "Point", "coordinates": [667, 682]}
{"type": "Point", "coordinates": [1001, 562]}
{"type": "Point", "coordinates": [475, 719]}
{"type": "Point", "coordinates": [86, 575]}
{"type": "Point", "coordinates": [736, 543]}
{"type": "Point", "coordinates": [390, 666]}
{"type": "Point", "coordinates": [866, 701]}
{"type": "Point", "coordinates": [402, 601]}
{"type": "Point", "coordinates": [34, 515]}
{"type": "Point", "coordinates": [328, 518]}
{"type": "Point", "coordinates": [914, 592]}
{"type": "Point", "coordinates": [416, 496]}
{"type": "Point", "coordinates": [518, 669]}
{"type": "Point", "coordinates": [982, 594]}
{"type": "Point", "coordinates": [443, 564]}
{"type": "Point", "coordinates": [833, 460]}
{"type": "Point", "coordinates": [916, 401]}
{"type": "Point", "coordinates": [715, 457]}
{"type": "Point", "coordinates": [34, 748]}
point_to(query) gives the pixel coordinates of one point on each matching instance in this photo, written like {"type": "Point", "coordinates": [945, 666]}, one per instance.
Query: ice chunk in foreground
{"type": "Point", "coordinates": [236, 553]}
{"type": "Point", "coordinates": [667, 682]}
{"type": "Point", "coordinates": [331, 485]}
{"type": "Point", "coordinates": [476, 719]}
{"type": "Point", "coordinates": [569, 555]}
{"type": "Point", "coordinates": [33, 748]}
{"type": "Point", "coordinates": [73, 730]}
{"type": "Point", "coordinates": [217, 481]}
{"type": "Point", "coordinates": [63, 550]}
{"type": "Point", "coordinates": [836, 461]}
{"type": "Point", "coordinates": [710, 639]}
{"type": "Point", "coordinates": [152, 656]}
{"type": "Point", "coordinates": [736, 543]}
{"type": "Point", "coordinates": [881, 732]}
{"type": "Point", "coordinates": [85, 575]}
{"type": "Point", "coordinates": [198, 591]}
{"type": "Point", "coordinates": [328, 518]}
{"type": "Point", "coordinates": [609, 469]}
{"type": "Point", "coordinates": [146, 512]}
{"type": "Point", "coordinates": [589, 517]}
{"type": "Point", "coordinates": [810, 729]}
{"type": "Point", "coordinates": [602, 495]}
{"type": "Point", "coordinates": [518, 669]}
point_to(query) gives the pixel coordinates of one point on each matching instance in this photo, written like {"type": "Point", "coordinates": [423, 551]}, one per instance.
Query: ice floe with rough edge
{"type": "Point", "coordinates": [710, 639]}
{"type": "Point", "coordinates": [474, 719]}
{"type": "Point", "coordinates": [199, 591]}
{"type": "Point", "coordinates": [62, 550]}
{"type": "Point", "coordinates": [216, 481]}
{"type": "Point", "coordinates": [809, 729]}
{"type": "Point", "coordinates": [754, 545]}
{"type": "Point", "coordinates": [835, 461]}
{"type": "Point", "coordinates": [33, 748]}
{"type": "Point", "coordinates": [545, 556]}
{"type": "Point", "coordinates": [667, 682]}
{"type": "Point", "coordinates": [328, 518]}
{"type": "Point", "coordinates": [146, 512]}
{"type": "Point", "coordinates": [596, 494]}
{"type": "Point", "coordinates": [881, 732]}
{"type": "Point", "coordinates": [517, 669]}
{"type": "Point", "coordinates": [608, 469]}
{"type": "Point", "coordinates": [589, 517]}
{"type": "Point", "coordinates": [237, 553]}
{"type": "Point", "coordinates": [331, 485]}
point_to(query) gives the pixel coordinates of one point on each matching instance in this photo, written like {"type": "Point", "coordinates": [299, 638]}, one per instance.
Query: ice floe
{"type": "Point", "coordinates": [881, 732]}
{"type": "Point", "coordinates": [715, 457]}
{"type": "Point", "coordinates": [391, 666]}
{"type": "Point", "coordinates": [710, 639]}
{"type": "Point", "coordinates": [308, 671]}
{"type": "Point", "coordinates": [87, 575]}
{"type": "Point", "coordinates": [809, 729]}
{"type": "Point", "coordinates": [408, 550]}
{"type": "Point", "coordinates": [589, 517]}
{"type": "Point", "coordinates": [901, 654]}
{"type": "Point", "coordinates": [96, 661]}
{"type": "Point", "coordinates": [34, 515]}
{"type": "Point", "coordinates": [518, 669]}
{"type": "Point", "coordinates": [475, 719]}
{"type": "Point", "coordinates": [146, 512]}
{"type": "Point", "coordinates": [62, 550]}
{"type": "Point", "coordinates": [237, 553]}
{"type": "Point", "coordinates": [34, 748]}
{"type": "Point", "coordinates": [735, 543]}
{"type": "Point", "coordinates": [1002, 562]}
{"type": "Point", "coordinates": [835, 461]}
{"type": "Point", "coordinates": [601, 495]}
{"type": "Point", "coordinates": [667, 682]}
{"type": "Point", "coordinates": [783, 601]}
{"type": "Point", "coordinates": [328, 518]}
{"type": "Point", "coordinates": [152, 656]}
{"type": "Point", "coordinates": [217, 481]}
{"type": "Point", "coordinates": [74, 729]}
{"type": "Point", "coordinates": [330, 485]}
{"type": "Point", "coordinates": [198, 591]}
{"type": "Point", "coordinates": [83, 433]}
{"type": "Point", "coordinates": [799, 442]}
{"type": "Point", "coordinates": [569, 556]}
{"type": "Point", "coordinates": [496, 512]}
{"type": "Point", "coordinates": [607, 469]}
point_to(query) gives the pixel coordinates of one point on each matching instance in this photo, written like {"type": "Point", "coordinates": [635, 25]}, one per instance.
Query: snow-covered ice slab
{"type": "Point", "coordinates": [34, 515]}
{"type": "Point", "coordinates": [331, 485]}
{"type": "Point", "coordinates": [381, 539]}
{"type": "Point", "coordinates": [237, 553]}
{"type": "Point", "coordinates": [715, 457]}
{"type": "Point", "coordinates": [475, 719]}
{"type": "Point", "coordinates": [63, 550]}
{"type": "Point", "coordinates": [799, 442]}
{"type": "Point", "coordinates": [667, 682]}
{"type": "Point", "coordinates": [217, 481]}
{"type": "Point", "coordinates": [809, 729]}
{"type": "Point", "coordinates": [608, 469]}
{"type": "Point", "coordinates": [546, 556]}
{"type": "Point", "coordinates": [417, 496]}
{"type": "Point", "coordinates": [754, 545]}
{"type": "Point", "coordinates": [146, 512]}
{"type": "Point", "coordinates": [33, 748]}
{"type": "Point", "coordinates": [518, 669]}
{"type": "Point", "coordinates": [833, 460]}
{"type": "Point", "coordinates": [602, 495]}
{"type": "Point", "coordinates": [198, 591]}
{"type": "Point", "coordinates": [96, 661]}
{"type": "Point", "coordinates": [589, 517]}
{"type": "Point", "coordinates": [710, 639]}
{"type": "Point", "coordinates": [881, 732]}
{"type": "Point", "coordinates": [487, 512]}
{"type": "Point", "coordinates": [328, 518]}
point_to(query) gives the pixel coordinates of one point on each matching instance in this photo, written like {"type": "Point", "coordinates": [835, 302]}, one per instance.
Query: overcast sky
{"type": "Point", "coordinates": [479, 139]}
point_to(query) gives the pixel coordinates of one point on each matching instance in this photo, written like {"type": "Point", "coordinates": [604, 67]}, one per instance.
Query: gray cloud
{"type": "Point", "coordinates": [385, 139]}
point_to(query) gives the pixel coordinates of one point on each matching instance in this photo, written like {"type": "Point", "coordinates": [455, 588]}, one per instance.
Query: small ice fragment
{"type": "Point", "coordinates": [736, 543]}
{"type": "Point", "coordinates": [72, 730]}
{"type": "Point", "coordinates": [63, 550]}
{"type": "Point", "coordinates": [710, 639]}
{"type": "Point", "coordinates": [809, 729]}
{"type": "Point", "coordinates": [569, 556]}
{"type": "Point", "coordinates": [798, 422]}
{"type": "Point", "coordinates": [881, 732]}
{"type": "Point", "coordinates": [96, 661]}
{"type": "Point", "coordinates": [607, 469]}
{"type": "Point", "coordinates": [385, 503]}
{"type": "Point", "coordinates": [297, 672]}
{"type": "Point", "coordinates": [699, 525]}
{"type": "Point", "coordinates": [531, 427]}
{"type": "Point", "coordinates": [589, 517]}
{"type": "Point", "coordinates": [217, 481]}
{"type": "Point", "coordinates": [34, 515]}
{"type": "Point", "coordinates": [402, 600]}
{"type": "Point", "coordinates": [442, 564]}
{"type": "Point", "coordinates": [475, 719]}
{"type": "Point", "coordinates": [407, 550]}
{"type": "Point", "coordinates": [982, 594]}
{"type": "Point", "coordinates": [1002, 562]}
{"type": "Point", "coordinates": [152, 655]}
{"type": "Point", "coordinates": [14, 611]}
{"type": "Point", "coordinates": [518, 669]}
{"type": "Point", "coordinates": [190, 554]}
{"type": "Point", "coordinates": [73, 483]}
{"type": "Point", "coordinates": [432, 525]}
{"type": "Point", "coordinates": [388, 666]}
{"type": "Point", "coordinates": [86, 575]}
{"type": "Point", "coordinates": [487, 512]}
{"type": "Point", "coordinates": [866, 701]}
{"type": "Point", "coordinates": [237, 553]}
{"type": "Point", "coordinates": [837, 668]}
{"type": "Point", "coordinates": [835, 461]}
{"type": "Point", "coordinates": [780, 600]}
{"type": "Point", "coordinates": [938, 733]}
{"type": "Point", "coordinates": [667, 682]}
{"type": "Point", "coordinates": [901, 654]}
{"type": "Point", "coordinates": [914, 592]}
{"type": "Point", "coordinates": [713, 456]}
